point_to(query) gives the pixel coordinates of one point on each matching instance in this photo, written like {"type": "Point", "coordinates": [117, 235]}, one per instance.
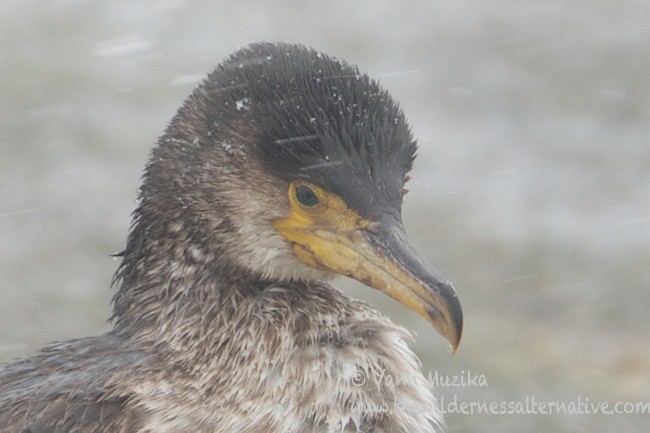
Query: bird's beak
{"type": "Point", "coordinates": [379, 255]}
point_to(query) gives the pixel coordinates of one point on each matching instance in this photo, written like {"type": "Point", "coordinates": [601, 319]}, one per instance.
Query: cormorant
{"type": "Point", "coordinates": [284, 167]}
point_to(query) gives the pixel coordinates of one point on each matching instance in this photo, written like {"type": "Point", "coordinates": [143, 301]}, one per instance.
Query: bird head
{"type": "Point", "coordinates": [288, 164]}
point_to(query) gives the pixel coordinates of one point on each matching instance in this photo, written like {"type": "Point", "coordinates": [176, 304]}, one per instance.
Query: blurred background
{"type": "Point", "coordinates": [531, 191]}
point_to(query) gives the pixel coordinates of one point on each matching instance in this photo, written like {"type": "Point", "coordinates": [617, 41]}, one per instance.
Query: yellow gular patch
{"type": "Point", "coordinates": [314, 211]}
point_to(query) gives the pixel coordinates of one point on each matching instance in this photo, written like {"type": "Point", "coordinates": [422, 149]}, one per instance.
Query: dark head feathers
{"type": "Point", "coordinates": [318, 118]}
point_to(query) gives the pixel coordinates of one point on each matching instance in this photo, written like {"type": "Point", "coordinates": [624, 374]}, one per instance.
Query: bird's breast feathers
{"type": "Point", "coordinates": [315, 371]}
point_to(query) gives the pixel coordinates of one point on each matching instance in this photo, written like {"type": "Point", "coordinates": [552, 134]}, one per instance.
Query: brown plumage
{"type": "Point", "coordinates": [284, 167]}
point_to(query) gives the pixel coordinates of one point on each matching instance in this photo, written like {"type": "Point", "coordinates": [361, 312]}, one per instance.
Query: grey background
{"type": "Point", "coordinates": [531, 191]}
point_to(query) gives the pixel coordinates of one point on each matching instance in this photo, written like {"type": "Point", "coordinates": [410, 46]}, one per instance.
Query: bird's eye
{"type": "Point", "coordinates": [306, 196]}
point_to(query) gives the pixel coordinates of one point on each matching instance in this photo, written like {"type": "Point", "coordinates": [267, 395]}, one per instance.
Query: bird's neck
{"type": "Point", "coordinates": [252, 345]}
{"type": "Point", "coordinates": [170, 289]}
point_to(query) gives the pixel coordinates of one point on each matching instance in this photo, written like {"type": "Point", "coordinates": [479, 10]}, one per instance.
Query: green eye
{"type": "Point", "coordinates": [306, 196]}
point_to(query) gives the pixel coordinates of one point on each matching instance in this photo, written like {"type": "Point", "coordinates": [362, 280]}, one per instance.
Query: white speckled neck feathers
{"type": "Point", "coordinates": [290, 358]}
{"type": "Point", "coordinates": [278, 357]}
